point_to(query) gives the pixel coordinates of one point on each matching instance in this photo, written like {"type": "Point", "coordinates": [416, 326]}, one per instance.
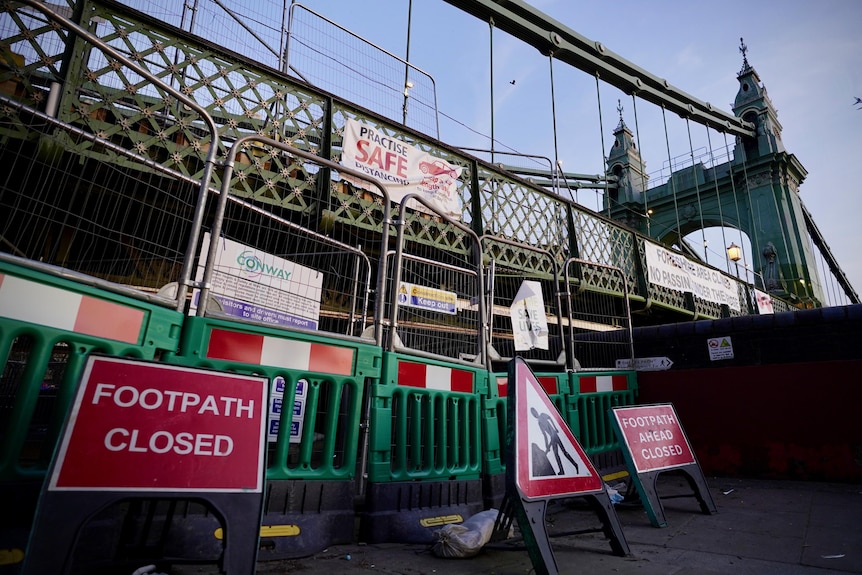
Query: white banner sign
{"type": "Point", "coordinates": [529, 324]}
{"type": "Point", "coordinates": [402, 168]}
{"type": "Point", "coordinates": [676, 272]}
{"type": "Point", "coordinates": [252, 284]}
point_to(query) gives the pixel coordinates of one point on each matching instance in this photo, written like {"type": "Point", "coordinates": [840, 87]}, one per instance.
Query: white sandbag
{"type": "Point", "coordinates": [458, 540]}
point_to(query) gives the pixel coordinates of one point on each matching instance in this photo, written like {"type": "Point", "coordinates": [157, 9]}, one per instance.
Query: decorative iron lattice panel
{"type": "Point", "coordinates": [602, 242]}
{"type": "Point", "coordinates": [707, 309]}
{"type": "Point", "coordinates": [513, 210]}
{"type": "Point", "coordinates": [112, 101]}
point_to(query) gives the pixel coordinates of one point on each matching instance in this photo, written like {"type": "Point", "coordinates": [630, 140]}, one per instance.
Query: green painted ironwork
{"type": "Point", "coordinates": [103, 98]}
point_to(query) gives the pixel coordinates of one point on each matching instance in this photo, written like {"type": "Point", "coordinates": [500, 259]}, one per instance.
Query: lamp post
{"type": "Point", "coordinates": [734, 253]}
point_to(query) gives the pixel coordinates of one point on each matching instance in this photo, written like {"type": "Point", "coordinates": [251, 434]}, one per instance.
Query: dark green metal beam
{"type": "Point", "coordinates": [551, 37]}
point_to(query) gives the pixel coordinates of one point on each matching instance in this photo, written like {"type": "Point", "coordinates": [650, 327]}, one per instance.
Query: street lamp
{"type": "Point", "coordinates": [734, 253]}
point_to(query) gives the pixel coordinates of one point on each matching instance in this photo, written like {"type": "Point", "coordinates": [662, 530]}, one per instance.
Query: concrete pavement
{"type": "Point", "coordinates": [762, 528]}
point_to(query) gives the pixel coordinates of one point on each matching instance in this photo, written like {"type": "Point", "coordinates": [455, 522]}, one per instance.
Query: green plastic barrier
{"type": "Point", "coordinates": [592, 395]}
{"type": "Point", "coordinates": [316, 384]}
{"type": "Point", "coordinates": [425, 420]}
{"type": "Point", "coordinates": [48, 326]}
{"type": "Point", "coordinates": [425, 448]}
{"type": "Point", "coordinates": [494, 421]}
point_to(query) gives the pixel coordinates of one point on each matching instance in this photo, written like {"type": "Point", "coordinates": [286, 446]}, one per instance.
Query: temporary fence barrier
{"type": "Point", "coordinates": [317, 384]}
{"type": "Point", "coordinates": [598, 315]}
{"type": "Point", "coordinates": [593, 394]}
{"type": "Point", "coordinates": [425, 449]}
{"type": "Point", "coordinates": [524, 305]}
{"type": "Point", "coordinates": [425, 440]}
{"type": "Point", "coordinates": [48, 327]}
{"type": "Point", "coordinates": [261, 262]}
{"type": "Point", "coordinates": [291, 290]}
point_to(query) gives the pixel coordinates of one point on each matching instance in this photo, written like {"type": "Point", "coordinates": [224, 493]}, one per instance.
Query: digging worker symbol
{"type": "Point", "coordinates": [552, 439]}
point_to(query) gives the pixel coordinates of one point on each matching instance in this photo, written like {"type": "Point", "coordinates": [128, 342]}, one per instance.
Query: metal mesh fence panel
{"type": "Point", "coordinates": [599, 320]}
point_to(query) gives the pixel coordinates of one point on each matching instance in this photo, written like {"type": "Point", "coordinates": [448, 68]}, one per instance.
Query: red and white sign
{"type": "Point", "coordinates": [764, 302]}
{"type": "Point", "coordinates": [437, 377]}
{"type": "Point", "coordinates": [147, 426]}
{"type": "Point", "coordinates": [549, 461]}
{"type": "Point", "coordinates": [548, 383]}
{"type": "Point", "coordinates": [654, 437]}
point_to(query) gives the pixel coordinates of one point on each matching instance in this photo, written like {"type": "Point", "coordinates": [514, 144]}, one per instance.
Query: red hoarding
{"type": "Point", "coordinates": [654, 437]}
{"type": "Point", "coordinates": [147, 426]}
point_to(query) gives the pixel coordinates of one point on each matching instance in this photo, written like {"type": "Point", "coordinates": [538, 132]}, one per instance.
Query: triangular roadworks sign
{"type": "Point", "coordinates": [549, 461]}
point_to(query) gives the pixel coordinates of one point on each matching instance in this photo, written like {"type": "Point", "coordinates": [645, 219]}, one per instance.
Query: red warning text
{"type": "Point", "coordinates": [654, 437]}
{"type": "Point", "coordinates": [147, 426]}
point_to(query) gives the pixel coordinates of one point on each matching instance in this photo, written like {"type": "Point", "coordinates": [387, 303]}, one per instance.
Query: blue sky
{"type": "Point", "coordinates": [808, 55]}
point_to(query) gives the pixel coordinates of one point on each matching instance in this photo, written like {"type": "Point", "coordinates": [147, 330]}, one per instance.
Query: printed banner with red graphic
{"type": "Point", "coordinates": [402, 168]}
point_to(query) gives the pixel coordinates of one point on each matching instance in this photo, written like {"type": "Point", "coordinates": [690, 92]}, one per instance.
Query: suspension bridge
{"type": "Point", "coordinates": [168, 200]}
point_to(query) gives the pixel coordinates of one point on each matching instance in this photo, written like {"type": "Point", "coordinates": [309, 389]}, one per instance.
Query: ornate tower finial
{"type": "Point", "coordinates": [744, 50]}
{"type": "Point", "coordinates": [620, 110]}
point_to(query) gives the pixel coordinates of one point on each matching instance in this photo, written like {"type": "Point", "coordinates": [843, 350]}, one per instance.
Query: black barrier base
{"type": "Point", "coordinates": [410, 512]}
{"type": "Point", "coordinates": [611, 465]}
{"type": "Point", "coordinates": [493, 490]}
{"type": "Point", "coordinates": [646, 486]}
{"type": "Point", "coordinates": [304, 517]}
{"type": "Point", "coordinates": [92, 533]}
{"type": "Point", "coordinates": [531, 522]}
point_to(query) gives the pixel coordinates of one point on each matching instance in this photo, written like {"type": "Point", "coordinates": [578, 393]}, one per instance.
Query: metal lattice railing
{"type": "Point", "coordinates": [112, 103]}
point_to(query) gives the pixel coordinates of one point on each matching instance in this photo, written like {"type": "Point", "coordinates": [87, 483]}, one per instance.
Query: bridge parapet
{"type": "Point", "coordinates": [115, 106]}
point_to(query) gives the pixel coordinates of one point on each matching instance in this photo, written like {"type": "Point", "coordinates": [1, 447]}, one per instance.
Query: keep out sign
{"type": "Point", "coordinates": [147, 426]}
{"type": "Point", "coordinates": [654, 437]}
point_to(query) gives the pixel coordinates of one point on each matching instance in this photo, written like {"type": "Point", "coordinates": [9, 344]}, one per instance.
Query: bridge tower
{"type": "Point", "coordinates": [626, 165]}
{"type": "Point", "coordinates": [757, 192]}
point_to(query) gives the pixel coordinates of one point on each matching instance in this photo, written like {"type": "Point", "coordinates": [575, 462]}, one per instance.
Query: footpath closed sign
{"type": "Point", "coordinates": [654, 437]}
{"type": "Point", "coordinates": [147, 426]}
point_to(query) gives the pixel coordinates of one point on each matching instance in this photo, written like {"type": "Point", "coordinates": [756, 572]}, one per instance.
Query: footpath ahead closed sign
{"type": "Point", "coordinates": [653, 436]}
{"type": "Point", "coordinates": [654, 442]}
{"type": "Point", "coordinates": [147, 426]}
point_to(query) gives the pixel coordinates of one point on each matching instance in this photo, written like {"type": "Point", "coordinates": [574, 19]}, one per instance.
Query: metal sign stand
{"type": "Point", "coordinates": [653, 442]}
{"type": "Point", "coordinates": [646, 487]}
{"type": "Point", "coordinates": [527, 497]}
{"type": "Point", "coordinates": [61, 516]}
